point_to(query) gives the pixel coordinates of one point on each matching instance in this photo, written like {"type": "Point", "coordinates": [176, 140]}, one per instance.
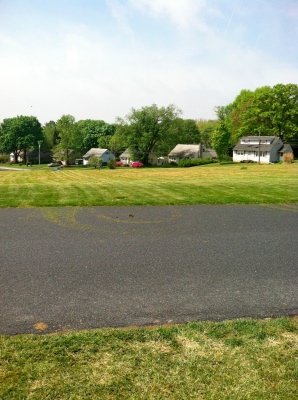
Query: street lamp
{"type": "Point", "coordinates": [39, 143]}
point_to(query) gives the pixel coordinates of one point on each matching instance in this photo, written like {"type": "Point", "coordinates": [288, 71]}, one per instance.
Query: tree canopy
{"type": "Point", "coordinates": [20, 134]}
{"type": "Point", "coordinates": [94, 133]}
{"type": "Point", "coordinates": [145, 128]}
{"type": "Point", "coordinates": [68, 138]}
{"type": "Point", "coordinates": [221, 140]}
{"type": "Point", "coordinates": [269, 110]}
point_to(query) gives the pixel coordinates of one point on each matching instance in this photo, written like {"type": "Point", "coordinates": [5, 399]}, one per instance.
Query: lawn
{"type": "Point", "coordinates": [240, 359]}
{"type": "Point", "coordinates": [209, 184]}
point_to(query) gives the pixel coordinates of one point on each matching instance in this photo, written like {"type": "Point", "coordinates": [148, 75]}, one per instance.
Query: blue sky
{"type": "Point", "coordinates": [99, 58]}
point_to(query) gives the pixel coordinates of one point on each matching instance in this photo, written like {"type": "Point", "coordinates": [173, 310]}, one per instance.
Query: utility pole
{"type": "Point", "coordinates": [39, 143]}
{"type": "Point", "coordinates": [259, 145]}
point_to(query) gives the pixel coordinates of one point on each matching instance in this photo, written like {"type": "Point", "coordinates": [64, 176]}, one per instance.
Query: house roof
{"type": "Point", "coordinates": [286, 149]}
{"type": "Point", "coordinates": [255, 146]}
{"type": "Point", "coordinates": [94, 152]}
{"type": "Point", "coordinates": [185, 150]}
{"type": "Point", "coordinates": [125, 154]}
{"type": "Point", "coordinates": [207, 152]}
{"type": "Point", "coordinates": [271, 138]}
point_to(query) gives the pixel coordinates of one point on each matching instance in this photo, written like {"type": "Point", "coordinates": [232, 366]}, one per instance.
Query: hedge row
{"type": "Point", "coordinates": [187, 162]}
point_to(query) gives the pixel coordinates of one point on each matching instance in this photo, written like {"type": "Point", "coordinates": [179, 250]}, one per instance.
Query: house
{"type": "Point", "coordinates": [266, 149]}
{"type": "Point", "coordinates": [126, 158]}
{"type": "Point", "coordinates": [104, 154]}
{"type": "Point", "coordinates": [12, 158]}
{"type": "Point", "coordinates": [193, 151]}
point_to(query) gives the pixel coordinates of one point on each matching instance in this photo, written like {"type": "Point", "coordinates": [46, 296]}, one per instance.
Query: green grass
{"type": "Point", "coordinates": [240, 359]}
{"type": "Point", "coordinates": [210, 184]}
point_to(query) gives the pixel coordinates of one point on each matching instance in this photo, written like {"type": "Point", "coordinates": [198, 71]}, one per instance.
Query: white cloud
{"type": "Point", "coordinates": [185, 14]}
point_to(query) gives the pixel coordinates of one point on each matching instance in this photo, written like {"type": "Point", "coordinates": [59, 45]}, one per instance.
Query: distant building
{"type": "Point", "coordinates": [267, 149]}
{"type": "Point", "coordinates": [126, 158]}
{"type": "Point", "coordinates": [104, 154]}
{"type": "Point", "coordinates": [191, 151]}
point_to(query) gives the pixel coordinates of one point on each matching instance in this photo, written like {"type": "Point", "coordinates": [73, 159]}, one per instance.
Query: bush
{"type": "Point", "coordinates": [95, 161]}
{"type": "Point", "coordinates": [136, 164]}
{"type": "Point", "coordinates": [119, 164]}
{"type": "Point", "coordinates": [4, 158]}
{"type": "Point", "coordinates": [288, 158]}
{"type": "Point", "coordinates": [112, 163]}
{"type": "Point", "coordinates": [188, 162]}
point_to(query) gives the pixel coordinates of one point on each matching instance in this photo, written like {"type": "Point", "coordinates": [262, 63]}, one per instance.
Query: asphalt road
{"type": "Point", "coordinates": [74, 268]}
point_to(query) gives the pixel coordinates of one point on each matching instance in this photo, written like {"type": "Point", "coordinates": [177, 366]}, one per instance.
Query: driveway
{"type": "Point", "coordinates": [74, 268]}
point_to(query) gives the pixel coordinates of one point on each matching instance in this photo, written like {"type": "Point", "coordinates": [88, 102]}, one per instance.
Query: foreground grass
{"type": "Point", "coordinates": [210, 184]}
{"type": "Point", "coordinates": [240, 359]}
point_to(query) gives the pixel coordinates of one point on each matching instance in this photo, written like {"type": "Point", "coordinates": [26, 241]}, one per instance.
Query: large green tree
{"type": "Point", "coordinates": [269, 110]}
{"type": "Point", "coordinates": [20, 134]}
{"type": "Point", "coordinates": [147, 127]}
{"type": "Point", "coordinates": [94, 133]}
{"type": "Point", "coordinates": [206, 129]}
{"type": "Point", "coordinates": [69, 140]}
{"type": "Point", "coordinates": [51, 134]}
{"type": "Point", "coordinates": [221, 140]}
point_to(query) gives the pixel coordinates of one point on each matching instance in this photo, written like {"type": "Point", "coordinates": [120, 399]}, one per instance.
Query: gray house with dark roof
{"type": "Point", "coordinates": [104, 154]}
{"type": "Point", "coordinates": [267, 149]}
{"type": "Point", "coordinates": [191, 151]}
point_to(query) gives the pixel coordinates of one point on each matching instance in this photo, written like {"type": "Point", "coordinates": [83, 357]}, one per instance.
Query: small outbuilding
{"type": "Point", "coordinates": [104, 154]}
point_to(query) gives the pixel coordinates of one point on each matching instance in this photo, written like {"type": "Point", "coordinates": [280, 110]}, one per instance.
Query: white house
{"type": "Point", "coordinates": [193, 151]}
{"type": "Point", "coordinates": [104, 154]}
{"type": "Point", "coordinates": [267, 149]}
{"type": "Point", "coordinates": [125, 158]}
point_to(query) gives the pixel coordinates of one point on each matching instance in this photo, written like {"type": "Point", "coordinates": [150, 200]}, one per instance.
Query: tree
{"type": "Point", "coordinates": [20, 134]}
{"type": "Point", "coordinates": [184, 131]}
{"type": "Point", "coordinates": [95, 161]}
{"type": "Point", "coordinates": [107, 133]}
{"type": "Point", "coordinates": [206, 129]}
{"type": "Point", "coordinates": [269, 110]}
{"type": "Point", "coordinates": [94, 133]}
{"type": "Point", "coordinates": [50, 134]}
{"type": "Point", "coordinates": [68, 137]}
{"type": "Point", "coordinates": [221, 140]}
{"type": "Point", "coordinates": [146, 127]}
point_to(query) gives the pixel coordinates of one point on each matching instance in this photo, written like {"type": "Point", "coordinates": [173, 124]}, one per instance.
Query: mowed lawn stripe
{"type": "Point", "coordinates": [215, 184]}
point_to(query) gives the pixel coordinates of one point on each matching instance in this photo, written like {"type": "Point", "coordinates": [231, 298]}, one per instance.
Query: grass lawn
{"type": "Point", "coordinates": [208, 184]}
{"type": "Point", "coordinates": [240, 359]}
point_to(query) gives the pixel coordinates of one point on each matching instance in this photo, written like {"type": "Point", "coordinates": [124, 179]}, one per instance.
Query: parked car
{"type": "Point", "coordinates": [55, 164]}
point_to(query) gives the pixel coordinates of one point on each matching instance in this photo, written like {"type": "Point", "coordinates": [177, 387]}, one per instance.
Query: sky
{"type": "Point", "coordinates": [98, 59]}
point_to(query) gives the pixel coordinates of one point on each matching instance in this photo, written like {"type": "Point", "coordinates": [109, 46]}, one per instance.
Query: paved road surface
{"type": "Point", "coordinates": [72, 268]}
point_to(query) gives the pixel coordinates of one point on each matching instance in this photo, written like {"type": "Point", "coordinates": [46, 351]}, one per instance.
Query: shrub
{"type": "Point", "coordinates": [4, 158]}
{"type": "Point", "coordinates": [188, 162]}
{"type": "Point", "coordinates": [288, 158]}
{"type": "Point", "coordinates": [136, 164]}
{"type": "Point", "coordinates": [112, 163]}
{"type": "Point", "coordinates": [119, 164]}
{"type": "Point", "coordinates": [95, 161]}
